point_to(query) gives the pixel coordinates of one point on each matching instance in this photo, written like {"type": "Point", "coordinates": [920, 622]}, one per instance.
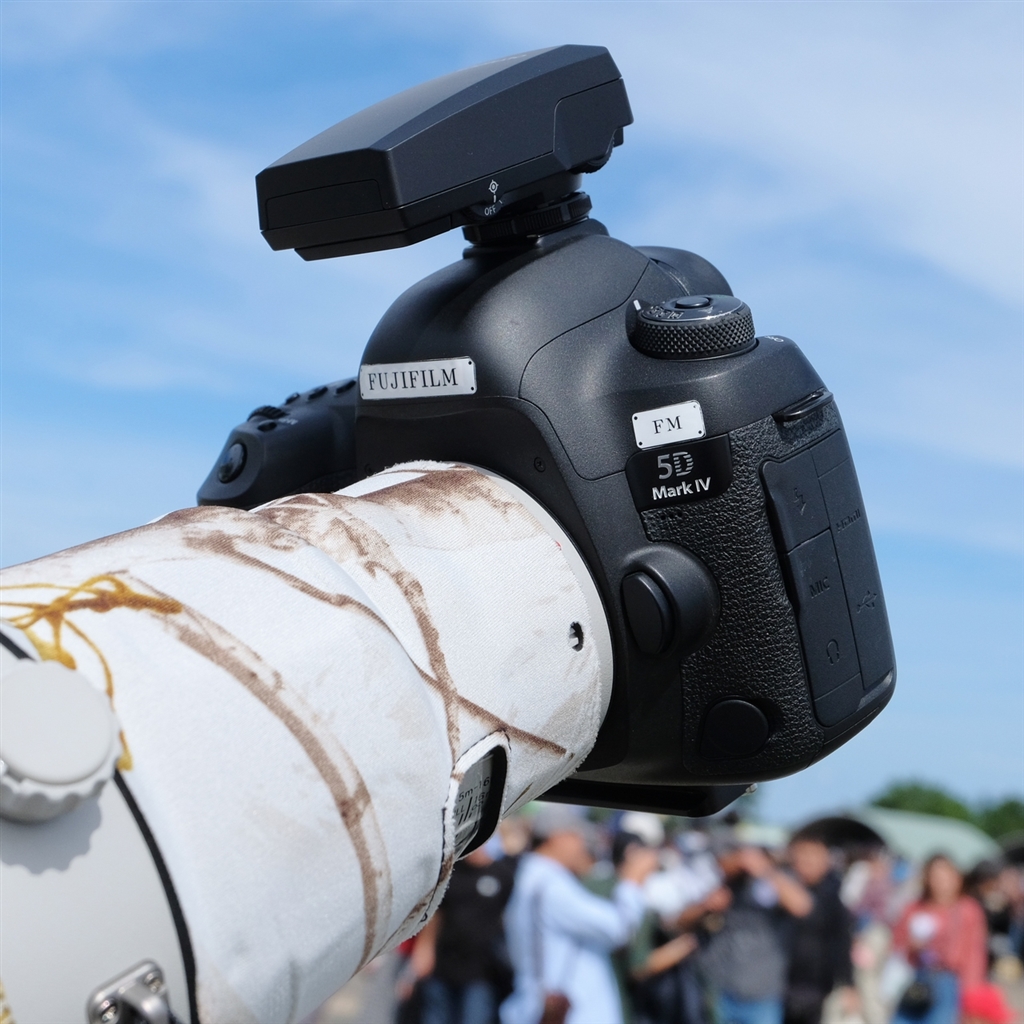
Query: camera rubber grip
{"type": "Point", "coordinates": [755, 654]}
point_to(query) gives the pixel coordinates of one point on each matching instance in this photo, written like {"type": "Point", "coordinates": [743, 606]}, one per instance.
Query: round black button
{"type": "Point", "coordinates": [690, 302]}
{"type": "Point", "coordinates": [293, 397]}
{"type": "Point", "coordinates": [317, 392]}
{"type": "Point", "coordinates": [648, 612]}
{"type": "Point", "coordinates": [233, 463]}
{"type": "Point", "coordinates": [734, 728]}
{"type": "Point", "coordinates": [266, 425]}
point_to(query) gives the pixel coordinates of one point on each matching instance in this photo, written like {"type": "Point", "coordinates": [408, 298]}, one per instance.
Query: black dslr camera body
{"type": "Point", "coordinates": [702, 470]}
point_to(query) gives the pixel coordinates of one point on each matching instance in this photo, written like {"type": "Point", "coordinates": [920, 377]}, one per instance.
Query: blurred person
{"type": "Point", "coordinates": [868, 889]}
{"type": "Point", "coordinates": [560, 936]}
{"type": "Point", "coordinates": [635, 828]}
{"type": "Point", "coordinates": [687, 878]}
{"type": "Point", "coordinates": [870, 894]}
{"type": "Point", "coordinates": [1011, 884]}
{"type": "Point", "coordinates": [821, 941]}
{"type": "Point", "coordinates": [652, 969]}
{"type": "Point", "coordinates": [982, 884]}
{"type": "Point", "coordinates": [644, 826]}
{"type": "Point", "coordinates": [997, 887]}
{"type": "Point", "coordinates": [746, 957]}
{"type": "Point", "coordinates": [943, 937]}
{"type": "Point", "coordinates": [514, 833]}
{"type": "Point", "coordinates": [460, 956]}
{"type": "Point", "coordinates": [665, 988]}
{"type": "Point", "coordinates": [602, 880]}
{"type": "Point", "coordinates": [408, 988]}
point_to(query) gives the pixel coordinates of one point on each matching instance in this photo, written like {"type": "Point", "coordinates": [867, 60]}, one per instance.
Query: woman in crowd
{"type": "Point", "coordinates": [943, 937]}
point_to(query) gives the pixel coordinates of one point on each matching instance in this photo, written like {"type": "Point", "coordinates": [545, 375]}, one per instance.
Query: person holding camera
{"type": "Point", "coordinates": [560, 936]}
{"type": "Point", "coordinates": [658, 985]}
{"type": "Point", "coordinates": [746, 958]}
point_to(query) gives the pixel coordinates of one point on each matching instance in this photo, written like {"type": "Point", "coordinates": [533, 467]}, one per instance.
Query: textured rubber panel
{"type": "Point", "coordinates": [752, 656]}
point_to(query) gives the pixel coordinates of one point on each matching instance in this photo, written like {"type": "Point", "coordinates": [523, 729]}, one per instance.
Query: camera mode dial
{"type": "Point", "coordinates": [692, 327]}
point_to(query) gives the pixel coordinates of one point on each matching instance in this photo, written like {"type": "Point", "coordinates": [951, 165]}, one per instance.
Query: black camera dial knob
{"type": "Point", "coordinates": [692, 327]}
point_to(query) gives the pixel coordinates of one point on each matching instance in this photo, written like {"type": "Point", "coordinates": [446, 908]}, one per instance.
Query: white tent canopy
{"type": "Point", "coordinates": [908, 834]}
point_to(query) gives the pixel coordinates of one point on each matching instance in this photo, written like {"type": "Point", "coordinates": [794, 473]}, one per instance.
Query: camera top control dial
{"type": "Point", "coordinates": [692, 327]}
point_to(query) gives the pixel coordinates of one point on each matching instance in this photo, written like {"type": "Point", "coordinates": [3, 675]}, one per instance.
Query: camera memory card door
{"type": "Point", "coordinates": [826, 552]}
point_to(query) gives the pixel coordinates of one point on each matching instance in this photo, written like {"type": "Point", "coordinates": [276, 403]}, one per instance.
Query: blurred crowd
{"type": "Point", "coordinates": [561, 919]}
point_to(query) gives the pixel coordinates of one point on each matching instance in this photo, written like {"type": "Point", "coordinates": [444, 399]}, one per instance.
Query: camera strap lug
{"type": "Point", "coordinates": [139, 996]}
{"type": "Point", "coordinates": [808, 404]}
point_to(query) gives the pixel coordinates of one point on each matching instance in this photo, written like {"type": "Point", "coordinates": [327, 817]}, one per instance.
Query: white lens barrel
{"type": "Point", "coordinates": [312, 697]}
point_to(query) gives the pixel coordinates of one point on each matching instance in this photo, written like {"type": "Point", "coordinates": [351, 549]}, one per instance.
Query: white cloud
{"type": "Point", "coordinates": [911, 111]}
{"type": "Point", "coordinates": [869, 117]}
{"type": "Point", "coordinates": [47, 32]}
{"type": "Point", "coordinates": [168, 283]}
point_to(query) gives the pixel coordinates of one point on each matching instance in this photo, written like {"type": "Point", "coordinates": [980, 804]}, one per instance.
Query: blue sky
{"type": "Point", "coordinates": [855, 170]}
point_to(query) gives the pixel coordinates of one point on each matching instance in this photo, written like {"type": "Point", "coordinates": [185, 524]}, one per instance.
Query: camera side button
{"type": "Point", "coordinates": [860, 572]}
{"type": "Point", "coordinates": [648, 612]}
{"type": "Point", "coordinates": [795, 500]}
{"type": "Point", "coordinates": [232, 463]}
{"type": "Point", "coordinates": [817, 587]}
{"type": "Point", "coordinates": [733, 728]}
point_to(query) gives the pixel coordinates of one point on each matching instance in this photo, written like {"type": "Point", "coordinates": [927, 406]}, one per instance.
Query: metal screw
{"type": "Point", "coordinates": [153, 981]}
{"type": "Point", "coordinates": [109, 1011]}
{"type": "Point", "coordinates": [538, 464]}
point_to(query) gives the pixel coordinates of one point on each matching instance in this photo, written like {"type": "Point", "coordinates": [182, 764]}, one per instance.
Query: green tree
{"type": "Point", "coordinates": [923, 798]}
{"type": "Point", "coordinates": [1002, 818]}
{"type": "Point", "coordinates": [998, 819]}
